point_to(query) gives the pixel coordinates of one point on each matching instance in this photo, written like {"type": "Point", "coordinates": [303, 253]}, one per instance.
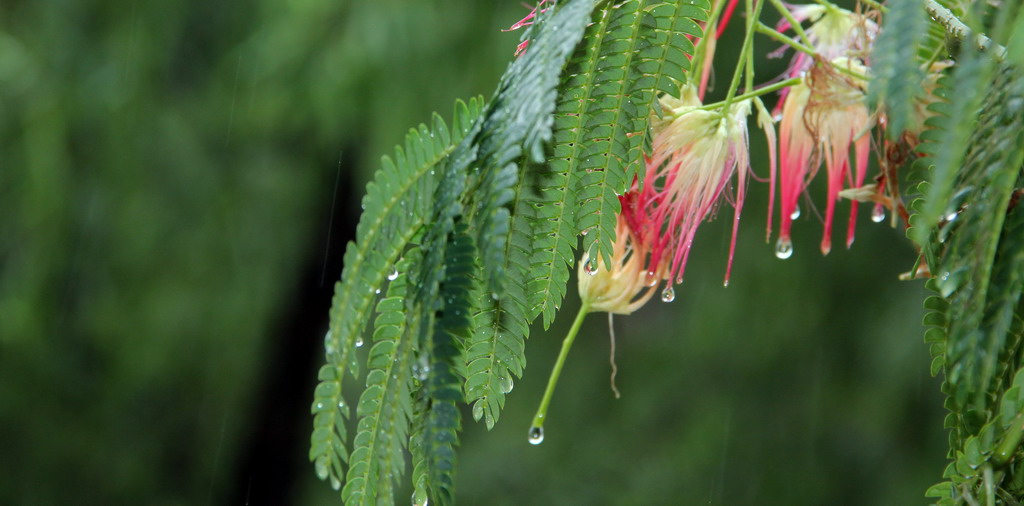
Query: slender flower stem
{"type": "Point", "coordinates": [756, 93]}
{"type": "Point", "coordinates": [749, 70]}
{"type": "Point", "coordinates": [783, 38]}
{"type": "Point", "coordinates": [769, 31]}
{"type": "Point", "coordinates": [753, 13]}
{"type": "Point", "coordinates": [697, 64]}
{"type": "Point", "coordinates": [542, 411]}
{"type": "Point", "coordinates": [797, 27]}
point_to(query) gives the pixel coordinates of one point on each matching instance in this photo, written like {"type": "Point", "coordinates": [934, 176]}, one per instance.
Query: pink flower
{"type": "Point", "coordinates": [622, 287]}
{"type": "Point", "coordinates": [821, 118]}
{"type": "Point", "coordinates": [834, 33]}
{"type": "Point", "coordinates": [696, 153]}
{"type": "Point", "coordinates": [526, 21]}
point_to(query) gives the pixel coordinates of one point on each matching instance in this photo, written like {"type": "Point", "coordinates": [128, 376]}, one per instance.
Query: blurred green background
{"type": "Point", "coordinates": [178, 180]}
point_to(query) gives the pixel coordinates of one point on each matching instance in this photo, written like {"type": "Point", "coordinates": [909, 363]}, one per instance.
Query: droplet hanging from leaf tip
{"type": "Point", "coordinates": [506, 384]}
{"type": "Point", "coordinates": [783, 248]}
{"type": "Point", "coordinates": [536, 436]}
{"type": "Point", "coordinates": [796, 213]}
{"type": "Point", "coordinates": [359, 342]}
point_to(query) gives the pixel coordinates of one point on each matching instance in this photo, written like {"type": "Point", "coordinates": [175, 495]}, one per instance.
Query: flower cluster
{"type": "Point", "coordinates": [700, 155]}
{"type": "Point", "coordinates": [696, 155]}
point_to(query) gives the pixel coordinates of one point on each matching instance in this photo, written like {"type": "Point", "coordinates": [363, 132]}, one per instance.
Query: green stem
{"type": "Point", "coordinates": [769, 31]}
{"type": "Point", "coordinates": [797, 27]}
{"type": "Point", "coordinates": [958, 30]}
{"type": "Point", "coordinates": [1008, 446]}
{"type": "Point", "coordinates": [783, 38]}
{"type": "Point", "coordinates": [542, 411]}
{"type": "Point", "coordinates": [753, 13]}
{"type": "Point", "coordinates": [756, 93]}
{"type": "Point", "coordinates": [697, 64]}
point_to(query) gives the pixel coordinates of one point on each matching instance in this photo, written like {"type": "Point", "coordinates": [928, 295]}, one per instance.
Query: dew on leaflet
{"type": "Point", "coordinates": [359, 342]}
{"type": "Point", "coordinates": [536, 436]}
{"type": "Point", "coordinates": [377, 291]}
{"type": "Point", "coordinates": [506, 384]}
{"type": "Point", "coordinates": [393, 275]}
{"type": "Point", "coordinates": [796, 213]}
{"type": "Point", "coordinates": [590, 267]}
{"type": "Point", "coordinates": [783, 248]}
{"type": "Point", "coordinates": [322, 470]}
{"type": "Point", "coordinates": [878, 214]}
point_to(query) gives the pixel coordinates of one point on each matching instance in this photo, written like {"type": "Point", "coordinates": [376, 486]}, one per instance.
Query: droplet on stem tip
{"type": "Point", "coordinates": [536, 436]}
{"type": "Point", "coordinates": [783, 248]}
{"type": "Point", "coordinates": [878, 214]}
{"type": "Point", "coordinates": [668, 294]}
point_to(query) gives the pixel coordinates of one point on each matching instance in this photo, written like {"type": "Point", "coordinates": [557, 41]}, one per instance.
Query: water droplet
{"type": "Point", "coordinates": [506, 384]}
{"type": "Point", "coordinates": [725, 283]}
{"type": "Point", "coordinates": [585, 231]}
{"type": "Point", "coordinates": [422, 369]}
{"type": "Point", "coordinates": [359, 342]}
{"type": "Point", "coordinates": [668, 294]}
{"type": "Point", "coordinates": [536, 435]}
{"type": "Point", "coordinates": [319, 405]}
{"type": "Point", "coordinates": [341, 404]}
{"type": "Point", "coordinates": [322, 471]}
{"type": "Point", "coordinates": [377, 291]}
{"type": "Point", "coordinates": [423, 501]}
{"type": "Point", "coordinates": [590, 267]}
{"type": "Point", "coordinates": [796, 213]}
{"type": "Point", "coordinates": [784, 248]}
{"type": "Point", "coordinates": [952, 216]}
{"type": "Point", "coordinates": [878, 214]}
{"type": "Point", "coordinates": [394, 274]}
{"type": "Point", "coordinates": [652, 279]}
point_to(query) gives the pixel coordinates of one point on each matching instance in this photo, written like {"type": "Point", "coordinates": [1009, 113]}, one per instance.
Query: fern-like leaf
{"type": "Point", "coordinates": [633, 63]}
{"type": "Point", "coordinates": [970, 77]}
{"type": "Point", "coordinates": [519, 120]}
{"type": "Point", "coordinates": [495, 351]}
{"type": "Point", "coordinates": [897, 75]}
{"type": "Point", "coordinates": [452, 326]}
{"type": "Point", "coordinates": [968, 275]}
{"type": "Point", "coordinates": [396, 204]}
{"type": "Point", "coordinates": [631, 51]}
{"type": "Point", "coordinates": [385, 406]}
